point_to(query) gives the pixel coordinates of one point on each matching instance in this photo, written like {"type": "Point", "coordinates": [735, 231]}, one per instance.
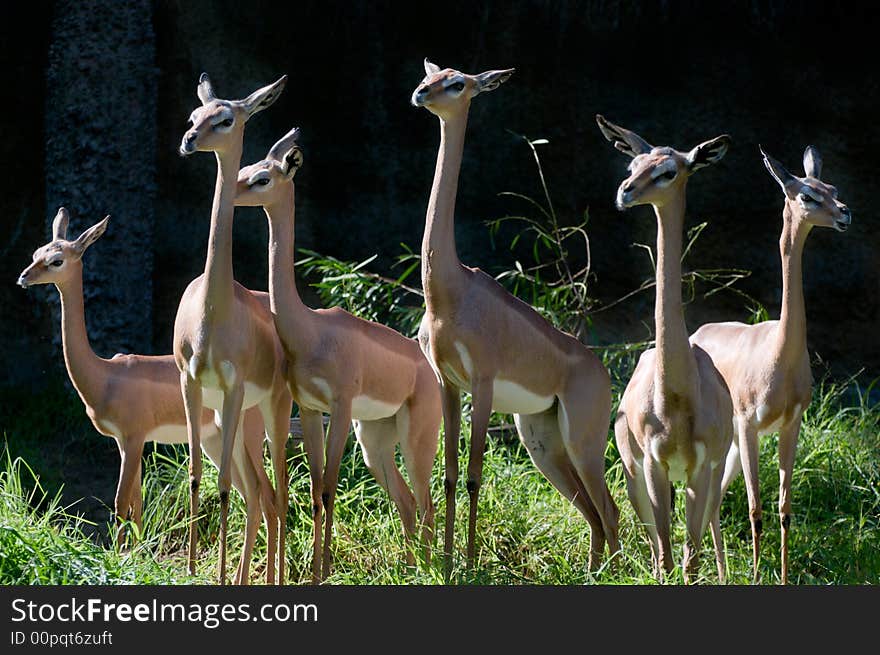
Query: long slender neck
{"type": "Point", "coordinates": [285, 300]}
{"type": "Point", "coordinates": [83, 366]}
{"type": "Point", "coordinates": [218, 263]}
{"type": "Point", "coordinates": [792, 337]}
{"type": "Point", "coordinates": [675, 361]}
{"type": "Point", "coordinates": [439, 255]}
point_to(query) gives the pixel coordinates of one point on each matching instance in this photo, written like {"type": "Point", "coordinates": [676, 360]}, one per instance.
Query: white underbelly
{"type": "Point", "coordinates": [309, 401]}
{"type": "Point", "coordinates": [762, 413]}
{"type": "Point", "coordinates": [676, 462]}
{"type": "Point", "coordinates": [512, 398]}
{"type": "Point", "coordinates": [109, 426]}
{"type": "Point", "coordinates": [319, 402]}
{"type": "Point", "coordinates": [463, 382]}
{"type": "Point", "coordinates": [448, 372]}
{"type": "Point", "coordinates": [507, 397]}
{"type": "Point", "coordinates": [213, 397]}
{"type": "Point", "coordinates": [770, 429]}
{"type": "Point", "coordinates": [214, 380]}
{"type": "Point", "coordinates": [167, 434]}
{"type": "Point", "coordinates": [364, 408]}
{"type": "Point", "coordinates": [175, 434]}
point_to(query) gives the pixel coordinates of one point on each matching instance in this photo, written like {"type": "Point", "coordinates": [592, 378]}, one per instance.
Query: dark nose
{"type": "Point", "coordinates": [628, 188]}
{"type": "Point", "coordinates": [188, 144]}
{"type": "Point", "coordinates": [845, 212]}
{"type": "Point", "coordinates": [419, 95]}
{"type": "Point", "coordinates": [22, 280]}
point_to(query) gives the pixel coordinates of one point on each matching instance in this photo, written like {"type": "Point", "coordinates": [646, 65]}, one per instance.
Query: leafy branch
{"type": "Point", "coordinates": [549, 283]}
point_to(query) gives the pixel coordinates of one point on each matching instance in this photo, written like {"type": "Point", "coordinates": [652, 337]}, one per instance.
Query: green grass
{"type": "Point", "coordinates": [527, 533]}
{"type": "Point", "coordinates": [53, 529]}
{"type": "Point", "coordinates": [48, 545]}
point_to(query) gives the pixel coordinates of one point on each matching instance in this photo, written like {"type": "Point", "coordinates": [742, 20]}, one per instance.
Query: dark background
{"type": "Point", "coordinates": [96, 97]}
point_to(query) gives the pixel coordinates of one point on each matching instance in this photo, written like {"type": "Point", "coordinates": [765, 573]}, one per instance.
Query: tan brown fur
{"type": "Point", "coordinates": [562, 394]}
{"type": "Point", "coordinates": [766, 366]}
{"type": "Point", "coordinates": [224, 339]}
{"type": "Point", "coordinates": [136, 398]}
{"type": "Point", "coordinates": [675, 416]}
{"type": "Point", "coordinates": [336, 358]}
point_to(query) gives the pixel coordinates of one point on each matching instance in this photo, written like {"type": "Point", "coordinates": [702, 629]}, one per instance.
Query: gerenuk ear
{"type": "Point", "coordinates": [777, 170]}
{"type": "Point", "coordinates": [430, 68]}
{"type": "Point", "coordinates": [491, 80]}
{"type": "Point", "coordinates": [283, 145]}
{"type": "Point", "coordinates": [91, 235]}
{"type": "Point", "coordinates": [812, 162]}
{"type": "Point", "coordinates": [292, 161]}
{"type": "Point", "coordinates": [263, 98]}
{"type": "Point", "coordinates": [59, 225]}
{"type": "Point", "coordinates": [708, 153]}
{"type": "Point", "coordinates": [205, 90]}
{"type": "Point", "coordinates": [629, 143]}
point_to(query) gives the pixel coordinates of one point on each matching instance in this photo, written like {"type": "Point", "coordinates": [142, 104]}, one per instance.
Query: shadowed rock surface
{"type": "Point", "coordinates": [101, 158]}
